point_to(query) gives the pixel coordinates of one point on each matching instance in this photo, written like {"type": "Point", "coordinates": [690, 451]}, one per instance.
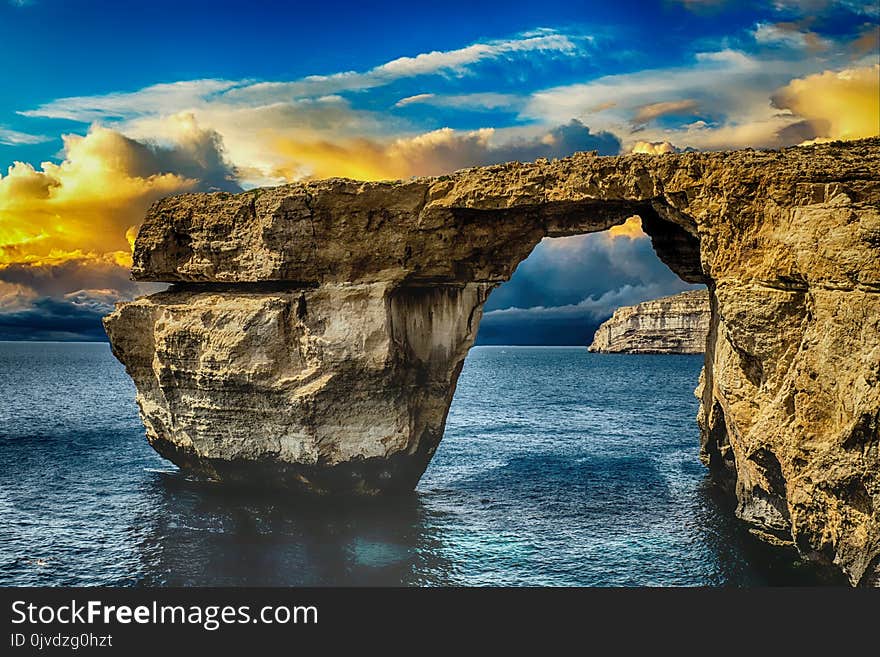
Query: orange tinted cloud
{"type": "Point", "coordinates": [630, 229]}
{"type": "Point", "coordinates": [82, 206]}
{"type": "Point", "coordinates": [87, 207]}
{"type": "Point", "coordinates": [839, 104]}
{"type": "Point", "coordinates": [432, 153]}
{"type": "Point", "coordinates": [868, 41]}
{"type": "Point", "coordinates": [653, 147]}
{"type": "Point", "coordinates": [362, 159]}
{"type": "Point", "coordinates": [653, 111]}
{"type": "Point", "coordinates": [438, 151]}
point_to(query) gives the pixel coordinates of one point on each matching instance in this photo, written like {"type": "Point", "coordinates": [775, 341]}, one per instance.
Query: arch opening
{"type": "Point", "coordinates": [549, 436]}
{"type": "Point", "coordinates": [568, 285]}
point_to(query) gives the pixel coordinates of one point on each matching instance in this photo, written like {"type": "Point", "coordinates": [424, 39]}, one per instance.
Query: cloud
{"type": "Point", "coordinates": [566, 271]}
{"type": "Point", "coordinates": [102, 187]}
{"type": "Point", "coordinates": [432, 153]}
{"type": "Point", "coordinates": [67, 227]}
{"type": "Point", "coordinates": [195, 95]}
{"type": "Point", "coordinates": [156, 99]}
{"type": "Point", "coordinates": [868, 40]}
{"type": "Point", "coordinates": [630, 229]}
{"type": "Point", "coordinates": [276, 131]}
{"type": "Point", "coordinates": [446, 150]}
{"type": "Point", "coordinates": [545, 43]}
{"type": "Point", "coordinates": [596, 308]}
{"type": "Point", "coordinates": [57, 277]}
{"type": "Point", "coordinates": [63, 300]}
{"type": "Point", "coordinates": [824, 7]}
{"type": "Point", "coordinates": [473, 101]}
{"type": "Point", "coordinates": [16, 138]}
{"type": "Point", "coordinates": [257, 138]}
{"type": "Point", "coordinates": [790, 34]}
{"type": "Point", "coordinates": [190, 151]}
{"type": "Point", "coordinates": [841, 104]}
{"type": "Point", "coordinates": [541, 40]}
{"type": "Point", "coordinates": [647, 113]}
{"type": "Point", "coordinates": [734, 91]}
{"type": "Point", "coordinates": [326, 137]}
{"type": "Point", "coordinates": [76, 316]}
{"type": "Point", "coordinates": [731, 88]}
{"type": "Point", "coordinates": [15, 297]}
{"type": "Point", "coordinates": [653, 147]}
{"type": "Point", "coordinates": [417, 98]}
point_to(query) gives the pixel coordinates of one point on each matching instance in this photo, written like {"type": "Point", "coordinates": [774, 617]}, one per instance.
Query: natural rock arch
{"type": "Point", "coordinates": [315, 332]}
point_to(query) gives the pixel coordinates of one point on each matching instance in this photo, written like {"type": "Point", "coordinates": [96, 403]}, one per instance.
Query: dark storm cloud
{"type": "Point", "coordinates": [200, 157]}
{"type": "Point", "coordinates": [447, 150]}
{"type": "Point", "coordinates": [69, 318]}
{"type": "Point", "coordinates": [561, 141]}
{"type": "Point", "coordinates": [64, 301]}
{"type": "Point", "coordinates": [55, 280]}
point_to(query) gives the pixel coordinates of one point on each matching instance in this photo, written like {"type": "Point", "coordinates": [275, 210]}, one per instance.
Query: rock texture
{"type": "Point", "coordinates": [316, 331]}
{"type": "Point", "coordinates": [678, 324]}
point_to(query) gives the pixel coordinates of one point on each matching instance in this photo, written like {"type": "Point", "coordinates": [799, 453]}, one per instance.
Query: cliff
{"type": "Point", "coordinates": [678, 324]}
{"type": "Point", "coordinates": [315, 332]}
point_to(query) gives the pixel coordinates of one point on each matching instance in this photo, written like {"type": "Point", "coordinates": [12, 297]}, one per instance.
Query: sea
{"type": "Point", "coordinates": [558, 468]}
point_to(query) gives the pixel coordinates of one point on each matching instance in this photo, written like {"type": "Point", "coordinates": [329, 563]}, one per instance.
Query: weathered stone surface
{"type": "Point", "coordinates": [343, 388]}
{"type": "Point", "coordinates": [318, 330]}
{"type": "Point", "coordinates": [678, 324]}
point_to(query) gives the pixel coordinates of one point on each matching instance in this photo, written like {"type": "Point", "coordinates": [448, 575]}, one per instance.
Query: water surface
{"type": "Point", "coordinates": [558, 467]}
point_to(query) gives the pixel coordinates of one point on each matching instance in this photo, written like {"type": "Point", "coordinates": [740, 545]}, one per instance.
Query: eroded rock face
{"type": "Point", "coordinates": [316, 331]}
{"type": "Point", "coordinates": [341, 388]}
{"type": "Point", "coordinates": [678, 324]}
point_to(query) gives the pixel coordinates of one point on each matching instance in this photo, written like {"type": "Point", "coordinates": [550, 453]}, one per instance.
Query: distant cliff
{"type": "Point", "coordinates": [671, 325]}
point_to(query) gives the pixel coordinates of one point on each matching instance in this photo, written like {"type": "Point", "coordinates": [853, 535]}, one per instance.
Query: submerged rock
{"type": "Point", "coordinates": [678, 324]}
{"type": "Point", "coordinates": [315, 332]}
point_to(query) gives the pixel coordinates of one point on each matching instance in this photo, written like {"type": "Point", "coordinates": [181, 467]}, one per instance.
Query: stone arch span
{"type": "Point", "coordinates": [313, 333]}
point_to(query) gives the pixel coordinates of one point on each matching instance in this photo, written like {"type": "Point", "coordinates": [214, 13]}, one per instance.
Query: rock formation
{"type": "Point", "coordinates": [678, 324]}
{"type": "Point", "coordinates": [315, 332]}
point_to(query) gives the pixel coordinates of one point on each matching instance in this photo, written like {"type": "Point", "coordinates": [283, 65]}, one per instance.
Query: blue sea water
{"type": "Point", "coordinates": [558, 467]}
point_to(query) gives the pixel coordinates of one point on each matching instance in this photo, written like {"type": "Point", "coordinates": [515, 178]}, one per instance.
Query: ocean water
{"type": "Point", "coordinates": [558, 467]}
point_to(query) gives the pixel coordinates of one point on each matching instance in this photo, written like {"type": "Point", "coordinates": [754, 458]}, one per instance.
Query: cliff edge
{"type": "Point", "coordinates": [677, 324]}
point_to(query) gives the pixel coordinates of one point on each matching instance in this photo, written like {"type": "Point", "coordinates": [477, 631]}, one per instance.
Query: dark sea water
{"type": "Point", "coordinates": [559, 467]}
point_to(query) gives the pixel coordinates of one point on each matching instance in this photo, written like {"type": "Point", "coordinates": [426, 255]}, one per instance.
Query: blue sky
{"type": "Point", "coordinates": [108, 106]}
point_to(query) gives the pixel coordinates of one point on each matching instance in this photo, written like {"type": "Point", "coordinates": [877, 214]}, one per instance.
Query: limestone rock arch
{"type": "Point", "coordinates": [314, 333]}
